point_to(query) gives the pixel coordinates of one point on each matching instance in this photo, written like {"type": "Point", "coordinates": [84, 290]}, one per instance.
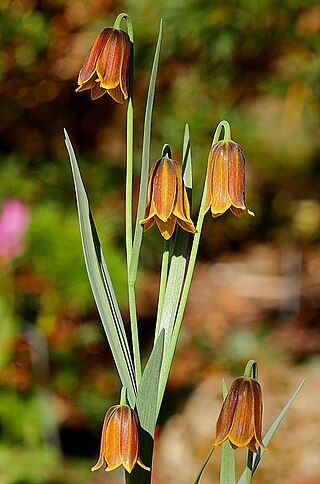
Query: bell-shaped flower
{"type": "Point", "coordinates": [167, 200]}
{"type": "Point", "coordinates": [225, 180]}
{"type": "Point", "coordinates": [119, 440]}
{"type": "Point", "coordinates": [106, 67]}
{"type": "Point", "coordinates": [240, 419]}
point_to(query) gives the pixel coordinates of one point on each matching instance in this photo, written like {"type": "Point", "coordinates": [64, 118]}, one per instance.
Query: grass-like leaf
{"type": "Point", "coordinates": [148, 389]}
{"type": "Point", "coordinates": [101, 284]}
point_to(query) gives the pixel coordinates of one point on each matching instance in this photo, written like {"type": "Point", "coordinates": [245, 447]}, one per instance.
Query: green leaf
{"type": "Point", "coordinates": [101, 284]}
{"type": "Point", "coordinates": [270, 433]}
{"type": "Point", "coordinates": [227, 465]}
{"type": "Point", "coordinates": [148, 389]}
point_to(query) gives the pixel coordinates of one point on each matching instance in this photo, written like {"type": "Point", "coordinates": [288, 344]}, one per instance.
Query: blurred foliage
{"type": "Point", "coordinates": [256, 64]}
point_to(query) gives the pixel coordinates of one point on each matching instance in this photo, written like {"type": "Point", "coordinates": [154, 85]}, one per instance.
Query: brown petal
{"type": "Point", "coordinates": [166, 228]}
{"type": "Point", "coordinates": [164, 189]}
{"type": "Point", "coordinates": [129, 440]}
{"type": "Point", "coordinates": [220, 201]}
{"type": "Point", "coordinates": [89, 65]}
{"type": "Point", "coordinates": [257, 409]}
{"type": "Point", "coordinates": [182, 207]}
{"type": "Point", "coordinates": [103, 438]}
{"type": "Point", "coordinates": [242, 429]}
{"type": "Point", "coordinates": [236, 175]}
{"type": "Point", "coordinates": [116, 94]}
{"type": "Point", "coordinates": [226, 416]}
{"type": "Point", "coordinates": [125, 64]}
{"type": "Point", "coordinates": [113, 435]}
{"type": "Point", "coordinates": [109, 64]}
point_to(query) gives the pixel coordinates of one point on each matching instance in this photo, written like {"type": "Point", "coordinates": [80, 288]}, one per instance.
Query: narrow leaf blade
{"type": "Point", "coordinates": [101, 284]}
{"type": "Point", "coordinates": [148, 389]}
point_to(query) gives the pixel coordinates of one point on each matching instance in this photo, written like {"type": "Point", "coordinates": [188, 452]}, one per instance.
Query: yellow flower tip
{"type": "Point", "coordinates": [106, 67]}
{"type": "Point", "coordinates": [240, 418]}
{"type": "Point", "coordinates": [225, 180]}
{"type": "Point", "coordinates": [119, 440]}
{"type": "Point", "coordinates": [167, 200]}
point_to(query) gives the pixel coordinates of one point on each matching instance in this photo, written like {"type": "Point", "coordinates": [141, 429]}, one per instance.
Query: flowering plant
{"type": "Point", "coordinates": [165, 198]}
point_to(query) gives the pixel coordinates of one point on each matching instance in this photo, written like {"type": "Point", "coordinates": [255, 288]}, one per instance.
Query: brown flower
{"type": "Point", "coordinates": [106, 67]}
{"type": "Point", "coordinates": [119, 440]}
{"type": "Point", "coordinates": [225, 180]}
{"type": "Point", "coordinates": [167, 200]}
{"type": "Point", "coordinates": [240, 419]}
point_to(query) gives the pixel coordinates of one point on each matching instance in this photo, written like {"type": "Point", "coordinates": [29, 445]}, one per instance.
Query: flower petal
{"type": "Point", "coordinates": [89, 65]}
{"type": "Point", "coordinates": [220, 201]}
{"type": "Point", "coordinates": [166, 228]}
{"type": "Point", "coordinates": [257, 412]}
{"type": "Point", "coordinates": [226, 416]}
{"type": "Point", "coordinates": [109, 64]}
{"type": "Point", "coordinates": [116, 94]}
{"type": "Point", "coordinates": [242, 429]}
{"type": "Point", "coordinates": [236, 174]}
{"type": "Point", "coordinates": [164, 189]}
{"type": "Point", "coordinates": [103, 438]}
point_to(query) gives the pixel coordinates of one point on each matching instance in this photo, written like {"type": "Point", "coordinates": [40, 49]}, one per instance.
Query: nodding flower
{"type": "Point", "coordinates": [167, 200]}
{"type": "Point", "coordinates": [106, 67]}
{"type": "Point", "coordinates": [119, 440]}
{"type": "Point", "coordinates": [225, 180]}
{"type": "Point", "coordinates": [240, 419]}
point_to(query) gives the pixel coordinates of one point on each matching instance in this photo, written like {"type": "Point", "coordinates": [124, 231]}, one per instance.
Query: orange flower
{"type": "Point", "coordinates": [240, 419]}
{"type": "Point", "coordinates": [106, 67]}
{"type": "Point", "coordinates": [225, 180]}
{"type": "Point", "coordinates": [119, 440]}
{"type": "Point", "coordinates": [167, 201]}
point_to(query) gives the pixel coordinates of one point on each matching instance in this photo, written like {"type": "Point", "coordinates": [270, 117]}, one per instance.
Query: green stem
{"type": "Point", "coordinates": [249, 472]}
{"type": "Point", "coordinates": [204, 466]}
{"type": "Point", "coordinates": [134, 331]}
{"type": "Point", "coordinates": [251, 369]}
{"type": "Point", "coordinates": [227, 132]}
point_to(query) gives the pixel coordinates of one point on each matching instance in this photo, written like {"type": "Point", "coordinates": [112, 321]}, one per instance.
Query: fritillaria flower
{"type": "Point", "coordinates": [119, 440]}
{"type": "Point", "coordinates": [106, 67]}
{"type": "Point", "coordinates": [167, 200]}
{"type": "Point", "coordinates": [225, 180]}
{"type": "Point", "coordinates": [240, 419]}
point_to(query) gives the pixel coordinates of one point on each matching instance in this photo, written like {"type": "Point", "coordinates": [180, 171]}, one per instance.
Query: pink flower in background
{"type": "Point", "coordinates": [14, 221]}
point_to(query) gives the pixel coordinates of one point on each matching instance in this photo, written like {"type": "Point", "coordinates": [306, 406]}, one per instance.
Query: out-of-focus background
{"type": "Point", "coordinates": [256, 288]}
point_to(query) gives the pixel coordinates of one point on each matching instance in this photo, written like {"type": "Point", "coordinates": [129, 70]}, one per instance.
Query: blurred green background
{"type": "Point", "coordinates": [257, 284]}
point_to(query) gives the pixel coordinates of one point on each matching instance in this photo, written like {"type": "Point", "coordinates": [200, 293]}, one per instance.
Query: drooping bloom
{"type": "Point", "coordinates": [119, 440]}
{"type": "Point", "coordinates": [14, 221]}
{"type": "Point", "coordinates": [240, 419]}
{"type": "Point", "coordinates": [167, 200]}
{"type": "Point", "coordinates": [225, 180]}
{"type": "Point", "coordinates": [106, 67]}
